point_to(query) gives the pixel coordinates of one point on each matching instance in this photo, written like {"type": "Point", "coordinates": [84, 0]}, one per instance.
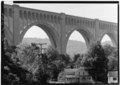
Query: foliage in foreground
{"type": "Point", "coordinates": [105, 56]}
{"type": "Point", "coordinates": [112, 55]}
{"type": "Point", "coordinates": [110, 52]}
{"type": "Point", "coordinates": [12, 72]}
{"type": "Point", "coordinates": [29, 66]}
{"type": "Point", "coordinates": [97, 61]}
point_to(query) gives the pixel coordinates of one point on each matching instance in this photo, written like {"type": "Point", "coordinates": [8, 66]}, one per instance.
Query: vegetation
{"type": "Point", "coordinates": [28, 65]}
{"type": "Point", "coordinates": [100, 60]}
{"type": "Point", "coordinates": [12, 73]}
{"type": "Point", "coordinates": [112, 55]}
{"type": "Point", "coordinates": [78, 60]}
{"type": "Point", "coordinates": [97, 62]}
{"type": "Point", "coordinates": [73, 47]}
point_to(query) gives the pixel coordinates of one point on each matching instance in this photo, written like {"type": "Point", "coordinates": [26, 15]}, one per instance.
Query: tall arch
{"type": "Point", "coordinates": [113, 38]}
{"type": "Point", "coordinates": [86, 35]}
{"type": "Point", "coordinates": [76, 47]}
{"type": "Point", "coordinates": [50, 31]}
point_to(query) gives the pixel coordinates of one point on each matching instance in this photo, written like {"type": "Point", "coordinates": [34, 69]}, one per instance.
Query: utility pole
{"type": "Point", "coordinates": [41, 46]}
{"type": "Point", "coordinates": [44, 49]}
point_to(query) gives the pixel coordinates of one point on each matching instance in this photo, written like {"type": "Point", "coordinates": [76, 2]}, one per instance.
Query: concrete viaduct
{"type": "Point", "coordinates": [58, 26]}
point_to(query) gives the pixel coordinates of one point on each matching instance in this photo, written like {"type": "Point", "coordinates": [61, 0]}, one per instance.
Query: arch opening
{"type": "Point", "coordinates": [106, 40]}
{"type": "Point", "coordinates": [76, 44]}
{"type": "Point", "coordinates": [37, 34]}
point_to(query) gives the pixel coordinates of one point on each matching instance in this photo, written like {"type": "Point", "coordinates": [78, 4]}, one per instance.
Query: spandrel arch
{"type": "Point", "coordinates": [72, 48]}
{"type": "Point", "coordinates": [49, 30]}
{"type": "Point", "coordinates": [85, 34]}
{"type": "Point", "coordinates": [113, 38]}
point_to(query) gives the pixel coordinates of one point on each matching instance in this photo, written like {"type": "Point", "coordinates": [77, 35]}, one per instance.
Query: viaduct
{"type": "Point", "coordinates": [58, 26]}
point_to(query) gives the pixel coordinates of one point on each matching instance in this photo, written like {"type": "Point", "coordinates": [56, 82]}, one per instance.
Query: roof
{"type": "Point", "coordinates": [74, 69]}
{"type": "Point", "coordinates": [70, 70]}
{"type": "Point", "coordinates": [82, 68]}
{"type": "Point", "coordinates": [113, 73]}
{"type": "Point", "coordinates": [71, 76]}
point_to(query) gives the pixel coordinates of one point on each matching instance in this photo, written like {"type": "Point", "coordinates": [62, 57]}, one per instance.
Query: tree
{"type": "Point", "coordinates": [51, 65]}
{"type": "Point", "coordinates": [112, 55]}
{"type": "Point", "coordinates": [97, 62]}
{"type": "Point", "coordinates": [79, 60]}
{"type": "Point", "coordinates": [52, 53]}
{"type": "Point", "coordinates": [65, 58]}
{"type": "Point", "coordinates": [109, 49]}
{"type": "Point", "coordinates": [12, 72]}
{"type": "Point", "coordinates": [76, 56]}
{"type": "Point", "coordinates": [43, 72]}
{"type": "Point", "coordinates": [113, 63]}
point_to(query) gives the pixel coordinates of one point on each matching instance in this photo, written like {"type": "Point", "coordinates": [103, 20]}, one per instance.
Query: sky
{"type": "Point", "coordinates": [106, 12]}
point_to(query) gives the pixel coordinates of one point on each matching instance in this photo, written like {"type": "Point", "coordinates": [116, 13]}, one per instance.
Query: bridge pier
{"type": "Point", "coordinates": [16, 25]}
{"type": "Point", "coordinates": [63, 35]}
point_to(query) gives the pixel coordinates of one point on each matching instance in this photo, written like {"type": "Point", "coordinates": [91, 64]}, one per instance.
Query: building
{"type": "Point", "coordinates": [113, 76]}
{"type": "Point", "coordinates": [76, 75]}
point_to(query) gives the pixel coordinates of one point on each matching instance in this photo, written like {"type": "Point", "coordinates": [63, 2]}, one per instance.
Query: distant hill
{"type": "Point", "coordinates": [107, 42]}
{"type": "Point", "coordinates": [73, 46]}
{"type": "Point", "coordinates": [28, 41]}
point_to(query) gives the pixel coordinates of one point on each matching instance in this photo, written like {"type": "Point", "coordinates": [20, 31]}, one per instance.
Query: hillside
{"type": "Point", "coordinates": [73, 46]}
{"type": "Point", "coordinates": [28, 41]}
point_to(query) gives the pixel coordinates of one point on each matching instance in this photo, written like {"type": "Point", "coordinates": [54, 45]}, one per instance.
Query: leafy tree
{"type": "Point", "coordinates": [51, 65]}
{"type": "Point", "coordinates": [31, 65]}
{"type": "Point", "coordinates": [19, 65]}
{"type": "Point", "coordinates": [112, 55]}
{"type": "Point", "coordinates": [52, 53]}
{"type": "Point", "coordinates": [65, 58]}
{"type": "Point", "coordinates": [42, 72]}
{"type": "Point", "coordinates": [113, 63]}
{"type": "Point", "coordinates": [79, 60]}
{"type": "Point", "coordinates": [12, 72]}
{"type": "Point", "coordinates": [109, 49]}
{"type": "Point", "coordinates": [97, 62]}
{"type": "Point", "coordinates": [76, 56]}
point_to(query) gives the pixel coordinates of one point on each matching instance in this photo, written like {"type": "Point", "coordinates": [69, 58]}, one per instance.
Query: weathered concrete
{"type": "Point", "coordinates": [18, 20]}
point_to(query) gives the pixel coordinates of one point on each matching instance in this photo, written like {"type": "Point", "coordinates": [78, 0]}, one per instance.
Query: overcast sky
{"type": "Point", "coordinates": [107, 12]}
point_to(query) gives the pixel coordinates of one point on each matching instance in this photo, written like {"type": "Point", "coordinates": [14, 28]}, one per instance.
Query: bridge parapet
{"type": "Point", "coordinates": [74, 20]}
{"type": "Point", "coordinates": [39, 15]}
{"type": "Point", "coordinates": [33, 14]}
{"type": "Point", "coordinates": [107, 25]}
{"type": "Point", "coordinates": [8, 11]}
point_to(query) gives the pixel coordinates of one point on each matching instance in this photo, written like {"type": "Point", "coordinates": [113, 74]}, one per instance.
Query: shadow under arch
{"type": "Point", "coordinates": [112, 38]}
{"type": "Point", "coordinates": [50, 31]}
{"type": "Point", "coordinates": [85, 34]}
